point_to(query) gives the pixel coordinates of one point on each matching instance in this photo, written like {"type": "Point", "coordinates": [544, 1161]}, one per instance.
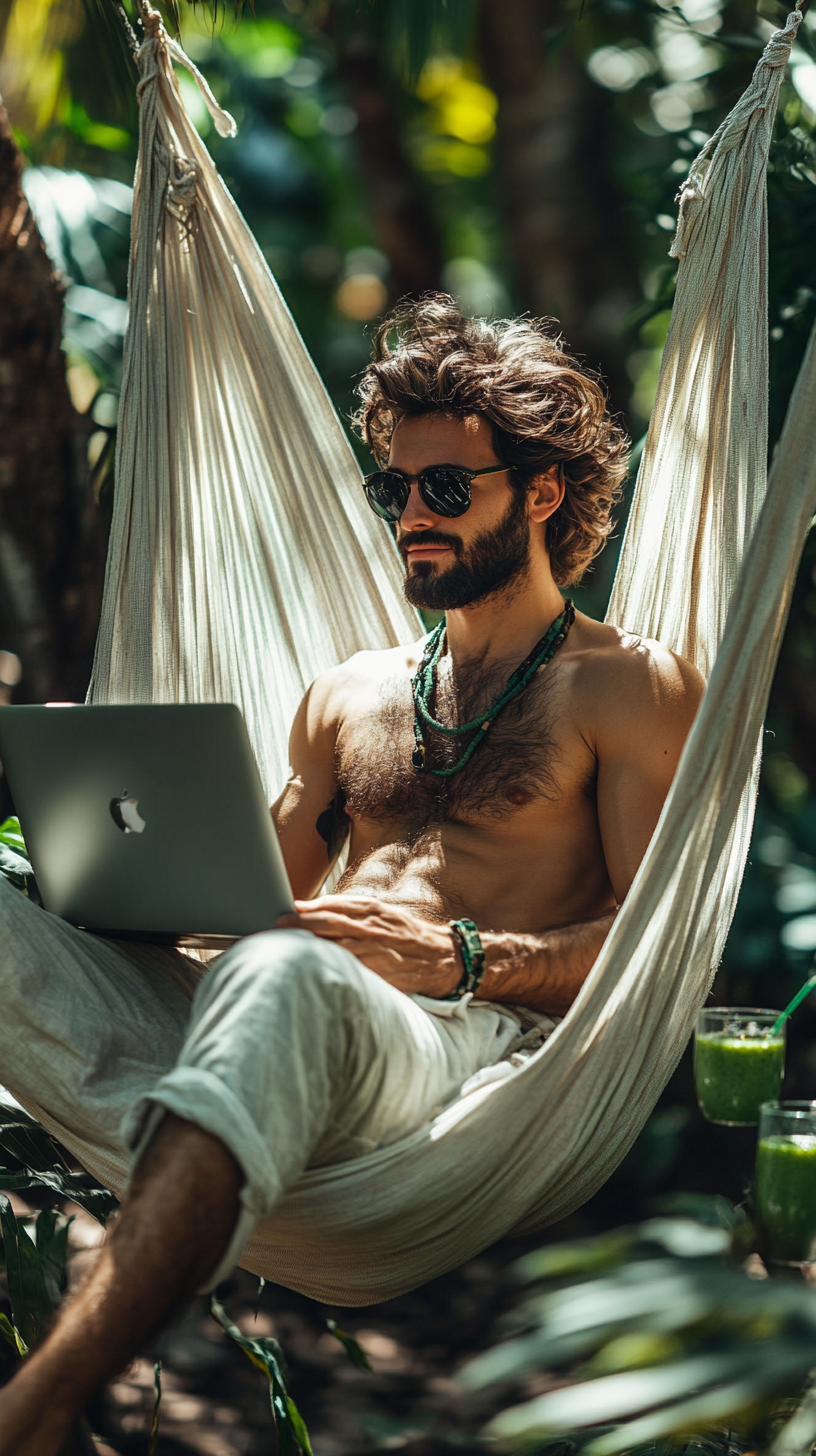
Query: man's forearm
{"type": "Point", "coordinates": [544, 971]}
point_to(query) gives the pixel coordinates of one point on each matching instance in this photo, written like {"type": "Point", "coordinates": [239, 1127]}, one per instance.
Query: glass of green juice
{"type": "Point", "coordinates": [738, 1064]}
{"type": "Point", "coordinates": [785, 1189]}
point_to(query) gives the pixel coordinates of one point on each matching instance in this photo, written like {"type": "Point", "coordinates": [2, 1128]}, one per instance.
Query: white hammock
{"type": "Point", "coordinates": [243, 557]}
{"type": "Point", "coordinates": [243, 561]}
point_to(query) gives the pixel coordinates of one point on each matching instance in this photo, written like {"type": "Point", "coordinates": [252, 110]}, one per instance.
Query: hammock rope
{"type": "Point", "coordinates": [220, 561]}
{"type": "Point", "coordinates": [239, 520]}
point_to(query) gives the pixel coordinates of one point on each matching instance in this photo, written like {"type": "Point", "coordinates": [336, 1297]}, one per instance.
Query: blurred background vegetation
{"type": "Point", "coordinates": [523, 155]}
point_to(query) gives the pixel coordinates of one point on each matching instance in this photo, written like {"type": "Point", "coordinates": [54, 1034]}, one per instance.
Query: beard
{"type": "Point", "coordinates": [497, 561]}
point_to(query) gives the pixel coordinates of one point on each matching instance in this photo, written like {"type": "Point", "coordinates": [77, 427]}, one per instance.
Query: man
{"type": "Point", "coordinates": [497, 785]}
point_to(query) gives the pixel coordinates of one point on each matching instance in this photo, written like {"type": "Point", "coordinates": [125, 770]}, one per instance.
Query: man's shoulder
{"type": "Point", "coordinates": [367, 669]}
{"type": "Point", "coordinates": [623, 672]}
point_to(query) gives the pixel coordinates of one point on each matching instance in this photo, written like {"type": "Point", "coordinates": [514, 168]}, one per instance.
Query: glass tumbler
{"type": "Point", "coordinates": [738, 1064]}
{"type": "Point", "coordinates": [785, 1189]}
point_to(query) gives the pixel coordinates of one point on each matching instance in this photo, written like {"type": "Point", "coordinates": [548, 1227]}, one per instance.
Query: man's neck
{"type": "Point", "coordinates": [506, 625]}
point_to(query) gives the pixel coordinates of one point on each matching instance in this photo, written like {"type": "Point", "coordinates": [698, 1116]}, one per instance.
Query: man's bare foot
{"type": "Point", "coordinates": [168, 1238]}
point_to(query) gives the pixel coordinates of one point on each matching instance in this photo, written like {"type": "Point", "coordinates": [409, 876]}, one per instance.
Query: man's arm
{"type": "Point", "coordinates": [644, 720]}
{"type": "Point", "coordinates": [636, 731]}
{"type": "Point", "coordinates": [309, 818]}
{"type": "Point", "coordinates": [646, 706]}
{"type": "Point", "coordinates": [544, 971]}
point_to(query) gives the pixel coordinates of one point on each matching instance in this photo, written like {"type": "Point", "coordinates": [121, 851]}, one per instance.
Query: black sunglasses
{"type": "Point", "coordinates": [445, 489]}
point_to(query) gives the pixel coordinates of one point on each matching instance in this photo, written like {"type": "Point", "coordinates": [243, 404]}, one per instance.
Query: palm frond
{"type": "Point", "coordinates": [100, 67]}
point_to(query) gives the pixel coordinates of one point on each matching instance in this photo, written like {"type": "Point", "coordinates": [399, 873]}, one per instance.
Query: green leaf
{"type": "Point", "coordinates": [676, 1344]}
{"type": "Point", "coordinates": [266, 1354]}
{"type": "Point", "coordinates": [11, 834]}
{"type": "Point", "coordinates": [36, 1163]}
{"type": "Point", "coordinates": [355, 1352]}
{"type": "Point", "coordinates": [584, 1256]}
{"type": "Point", "coordinates": [9, 1333]}
{"type": "Point", "coordinates": [154, 1427]}
{"type": "Point", "coordinates": [711, 1210]}
{"type": "Point", "coordinates": [14, 863]}
{"type": "Point", "coordinates": [29, 1278]}
{"type": "Point", "coordinates": [52, 1248]}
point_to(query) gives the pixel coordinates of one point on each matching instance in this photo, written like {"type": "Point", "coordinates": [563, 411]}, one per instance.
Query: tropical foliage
{"type": "Point", "coordinates": [661, 1332]}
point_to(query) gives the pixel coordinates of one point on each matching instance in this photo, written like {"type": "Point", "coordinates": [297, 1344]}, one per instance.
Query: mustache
{"type": "Point", "coordinates": [428, 538]}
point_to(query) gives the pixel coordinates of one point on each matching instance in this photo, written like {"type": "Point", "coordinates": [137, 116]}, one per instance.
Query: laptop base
{"type": "Point", "coordinates": [183, 940]}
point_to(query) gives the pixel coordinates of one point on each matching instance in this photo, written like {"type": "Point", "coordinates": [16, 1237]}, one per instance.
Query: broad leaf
{"type": "Point", "coordinates": [12, 835]}
{"type": "Point", "coordinates": [14, 863]}
{"type": "Point", "coordinates": [668, 1344]}
{"type": "Point", "coordinates": [582, 1258]}
{"type": "Point", "coordinates": [30, 1279]}
{"type": "Point", "coordinates": [52, 1249]}
{"type": "Point", "coordinates": [32, 1161]}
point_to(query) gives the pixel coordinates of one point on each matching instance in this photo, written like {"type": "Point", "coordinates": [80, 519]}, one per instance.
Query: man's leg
{"type": "Point", "coordinates": [172, 1231]}
{"type": "Point", "coordinates": [86, 1025]}
{"type": "Point", "coordinates": [295, 1054]}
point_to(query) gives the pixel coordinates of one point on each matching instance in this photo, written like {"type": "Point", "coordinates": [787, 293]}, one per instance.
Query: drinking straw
{"type": "Point", "coordinates": [797, 1001]}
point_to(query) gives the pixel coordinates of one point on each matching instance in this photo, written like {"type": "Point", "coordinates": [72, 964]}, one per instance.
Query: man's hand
{"type": "Point", "coordinates": [544, 971]}
{"type": "Point", "coordinates": [413, 954]}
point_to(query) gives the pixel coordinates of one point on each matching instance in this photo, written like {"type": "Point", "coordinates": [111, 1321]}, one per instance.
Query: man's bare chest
{"type": "Point", "coordinates": [531, 759]}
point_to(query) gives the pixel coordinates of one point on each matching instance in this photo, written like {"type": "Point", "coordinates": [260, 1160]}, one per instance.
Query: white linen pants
{"type": "Point", "coordinates": [287, 1048]}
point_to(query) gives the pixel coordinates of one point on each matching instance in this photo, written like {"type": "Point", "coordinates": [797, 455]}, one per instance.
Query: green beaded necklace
{"type": "Point", "coordinates": [422, 686]}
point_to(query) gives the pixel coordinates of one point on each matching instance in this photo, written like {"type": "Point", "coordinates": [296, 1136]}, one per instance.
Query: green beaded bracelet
{"type": "Point", "coordinates": [469, 942]}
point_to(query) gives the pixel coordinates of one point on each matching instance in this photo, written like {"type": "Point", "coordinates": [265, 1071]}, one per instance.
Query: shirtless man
{"type": "Point", "coordinates": [536, 838]}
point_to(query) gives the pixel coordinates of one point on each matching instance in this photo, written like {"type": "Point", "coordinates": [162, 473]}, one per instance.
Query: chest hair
{"type": "Point", "coordinates": [517, 762]}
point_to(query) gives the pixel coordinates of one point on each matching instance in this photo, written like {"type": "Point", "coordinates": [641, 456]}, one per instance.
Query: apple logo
{"type": "Point", "coordinates": [125, 814]}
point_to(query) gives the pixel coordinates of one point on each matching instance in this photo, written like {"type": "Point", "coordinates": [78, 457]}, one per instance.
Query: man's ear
{"type": "Point", "coordinates": [545, 494]}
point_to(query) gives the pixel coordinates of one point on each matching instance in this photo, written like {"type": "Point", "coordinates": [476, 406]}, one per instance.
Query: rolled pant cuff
{"type": "Point", "coordinates": [202, 1098]}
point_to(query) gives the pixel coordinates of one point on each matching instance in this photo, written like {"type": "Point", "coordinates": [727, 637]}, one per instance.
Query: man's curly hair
{"type": "Point", "coordinates": [544, 409]}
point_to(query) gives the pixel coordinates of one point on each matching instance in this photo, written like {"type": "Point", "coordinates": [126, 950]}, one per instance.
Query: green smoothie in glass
{"type": "Point", "coordinates": [738, 1064]}
{"type": "Point", "coordinates": [785, 1193]}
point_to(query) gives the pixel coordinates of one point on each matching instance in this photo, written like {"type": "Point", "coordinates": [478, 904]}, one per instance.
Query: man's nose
{"type": "Point", "coordinates": [417, 516]}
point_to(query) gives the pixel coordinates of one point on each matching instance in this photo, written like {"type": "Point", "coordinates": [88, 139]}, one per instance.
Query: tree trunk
{"type": "Point", "coordinates": [570, 251]}
{"type": "Point", "coordinates": [52, 545]}
{"type": "Point", "coordinates": [402, 219]}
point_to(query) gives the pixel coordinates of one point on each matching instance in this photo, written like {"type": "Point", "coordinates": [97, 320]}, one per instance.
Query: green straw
{"type": "Point", "coordinates": [797, 1001]}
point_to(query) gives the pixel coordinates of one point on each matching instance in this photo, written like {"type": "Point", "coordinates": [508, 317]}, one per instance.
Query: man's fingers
{"type": "Point", "coordinates": [382, 962]}
{"type": "Point", "coordinates": [369, 943]}
{"type": "Point", "coordinates": [345, 904]}
{"type": "Point", "coordinates": [331, 924]}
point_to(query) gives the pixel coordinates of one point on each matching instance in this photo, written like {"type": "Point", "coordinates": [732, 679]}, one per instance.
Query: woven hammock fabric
{"type": "Point", "coordinates": [239, 518]}
{"type": "Point", "coordinates": [703, 544]}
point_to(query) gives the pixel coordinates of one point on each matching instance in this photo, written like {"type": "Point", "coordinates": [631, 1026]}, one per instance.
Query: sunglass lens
{"type": "Point", "coordinates": [387, 494]}
{"type": "Point", "coordinates": [446, 492]}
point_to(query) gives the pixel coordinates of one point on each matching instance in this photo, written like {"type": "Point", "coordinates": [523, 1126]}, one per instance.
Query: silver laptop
{"type": "Point", "coordinates": [146, 822]}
